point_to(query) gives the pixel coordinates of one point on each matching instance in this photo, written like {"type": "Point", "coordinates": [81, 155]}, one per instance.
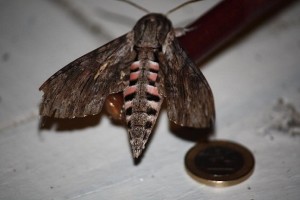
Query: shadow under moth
{"type": "Point", "coordinates": [147, 65]}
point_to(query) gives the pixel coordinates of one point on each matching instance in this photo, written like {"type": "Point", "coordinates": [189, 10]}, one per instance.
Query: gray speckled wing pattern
{"type": "Point", "coordinates": [189, 98]}
{"type": "Point", "coordinates": [81, 87]}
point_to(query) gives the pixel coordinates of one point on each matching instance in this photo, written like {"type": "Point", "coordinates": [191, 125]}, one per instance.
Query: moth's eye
{"type": "Point", "coordinates": [113, 106]}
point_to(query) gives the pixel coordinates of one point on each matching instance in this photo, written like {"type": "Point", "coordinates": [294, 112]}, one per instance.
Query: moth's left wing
{"type": "Point", "coordinates": [189, 98]}
{"type": "Point", "coordinates": [81, 87]}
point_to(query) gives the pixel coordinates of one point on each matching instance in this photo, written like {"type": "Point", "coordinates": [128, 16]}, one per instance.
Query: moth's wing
{"type": "Point", "coordinates": [189, 98]}
{"type": "Point", "coordinates": [81, 87]}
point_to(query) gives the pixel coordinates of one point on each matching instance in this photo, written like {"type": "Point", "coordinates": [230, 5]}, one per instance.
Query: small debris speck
{"type": "Point", "coordinates": [284, 118]}
{"type": "Point", "coordinates": [5, 56]}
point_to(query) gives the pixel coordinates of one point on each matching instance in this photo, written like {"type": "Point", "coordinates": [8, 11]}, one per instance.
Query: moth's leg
{"type": "Point", "coordinates": [182, 31]}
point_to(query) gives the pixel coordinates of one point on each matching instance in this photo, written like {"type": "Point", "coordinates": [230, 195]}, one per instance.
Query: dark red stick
{"type": "Point", "coordinates": [222, 23]}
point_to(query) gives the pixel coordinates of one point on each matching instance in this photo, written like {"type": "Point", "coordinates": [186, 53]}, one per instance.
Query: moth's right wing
{"type": "Point", "coordinates": [189, 98]}
{"type": "Point", "coordinates": [81, 87]}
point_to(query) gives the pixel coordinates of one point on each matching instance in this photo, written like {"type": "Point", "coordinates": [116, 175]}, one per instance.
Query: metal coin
{"type": "Point", "coordinates": [219, 163]}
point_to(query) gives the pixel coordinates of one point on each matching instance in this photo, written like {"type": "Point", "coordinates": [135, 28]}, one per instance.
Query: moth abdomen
{"type": "Point", "coordinates": [148, 125]}
{"type": "Point", "coordinates": [142, 102]}
{"type": "Point", "coordinates": [151, 111]}
{"type": "Point", "coordinates": [128, 111]}
{"type": "Point", "coordinates": [152, 94]}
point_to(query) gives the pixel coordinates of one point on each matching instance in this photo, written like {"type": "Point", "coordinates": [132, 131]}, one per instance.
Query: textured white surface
{"type": "Point", "coordinates": [39, 37]}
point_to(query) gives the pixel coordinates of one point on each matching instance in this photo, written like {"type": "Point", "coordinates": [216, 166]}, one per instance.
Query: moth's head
{"type": "Point", "coordinates": [151, 30]}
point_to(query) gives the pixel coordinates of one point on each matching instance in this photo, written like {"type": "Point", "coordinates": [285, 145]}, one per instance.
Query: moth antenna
{"type": "Point", "coordinates": [135, 5]}
{"type": "Point", "coordinates": [181, 5]}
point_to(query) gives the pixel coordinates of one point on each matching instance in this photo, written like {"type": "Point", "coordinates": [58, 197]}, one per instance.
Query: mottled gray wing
{"type": "Point", "coordinates": [81, 87]}
{"type": "Point", "coordinates": [189, 98]}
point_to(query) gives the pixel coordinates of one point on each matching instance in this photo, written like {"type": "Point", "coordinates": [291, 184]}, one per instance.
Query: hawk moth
{"type": "Point", "coordinates": [148, 65]}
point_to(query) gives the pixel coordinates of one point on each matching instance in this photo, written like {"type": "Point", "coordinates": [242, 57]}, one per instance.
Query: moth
{"type": "Point", "coordinates": [148, 66]}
